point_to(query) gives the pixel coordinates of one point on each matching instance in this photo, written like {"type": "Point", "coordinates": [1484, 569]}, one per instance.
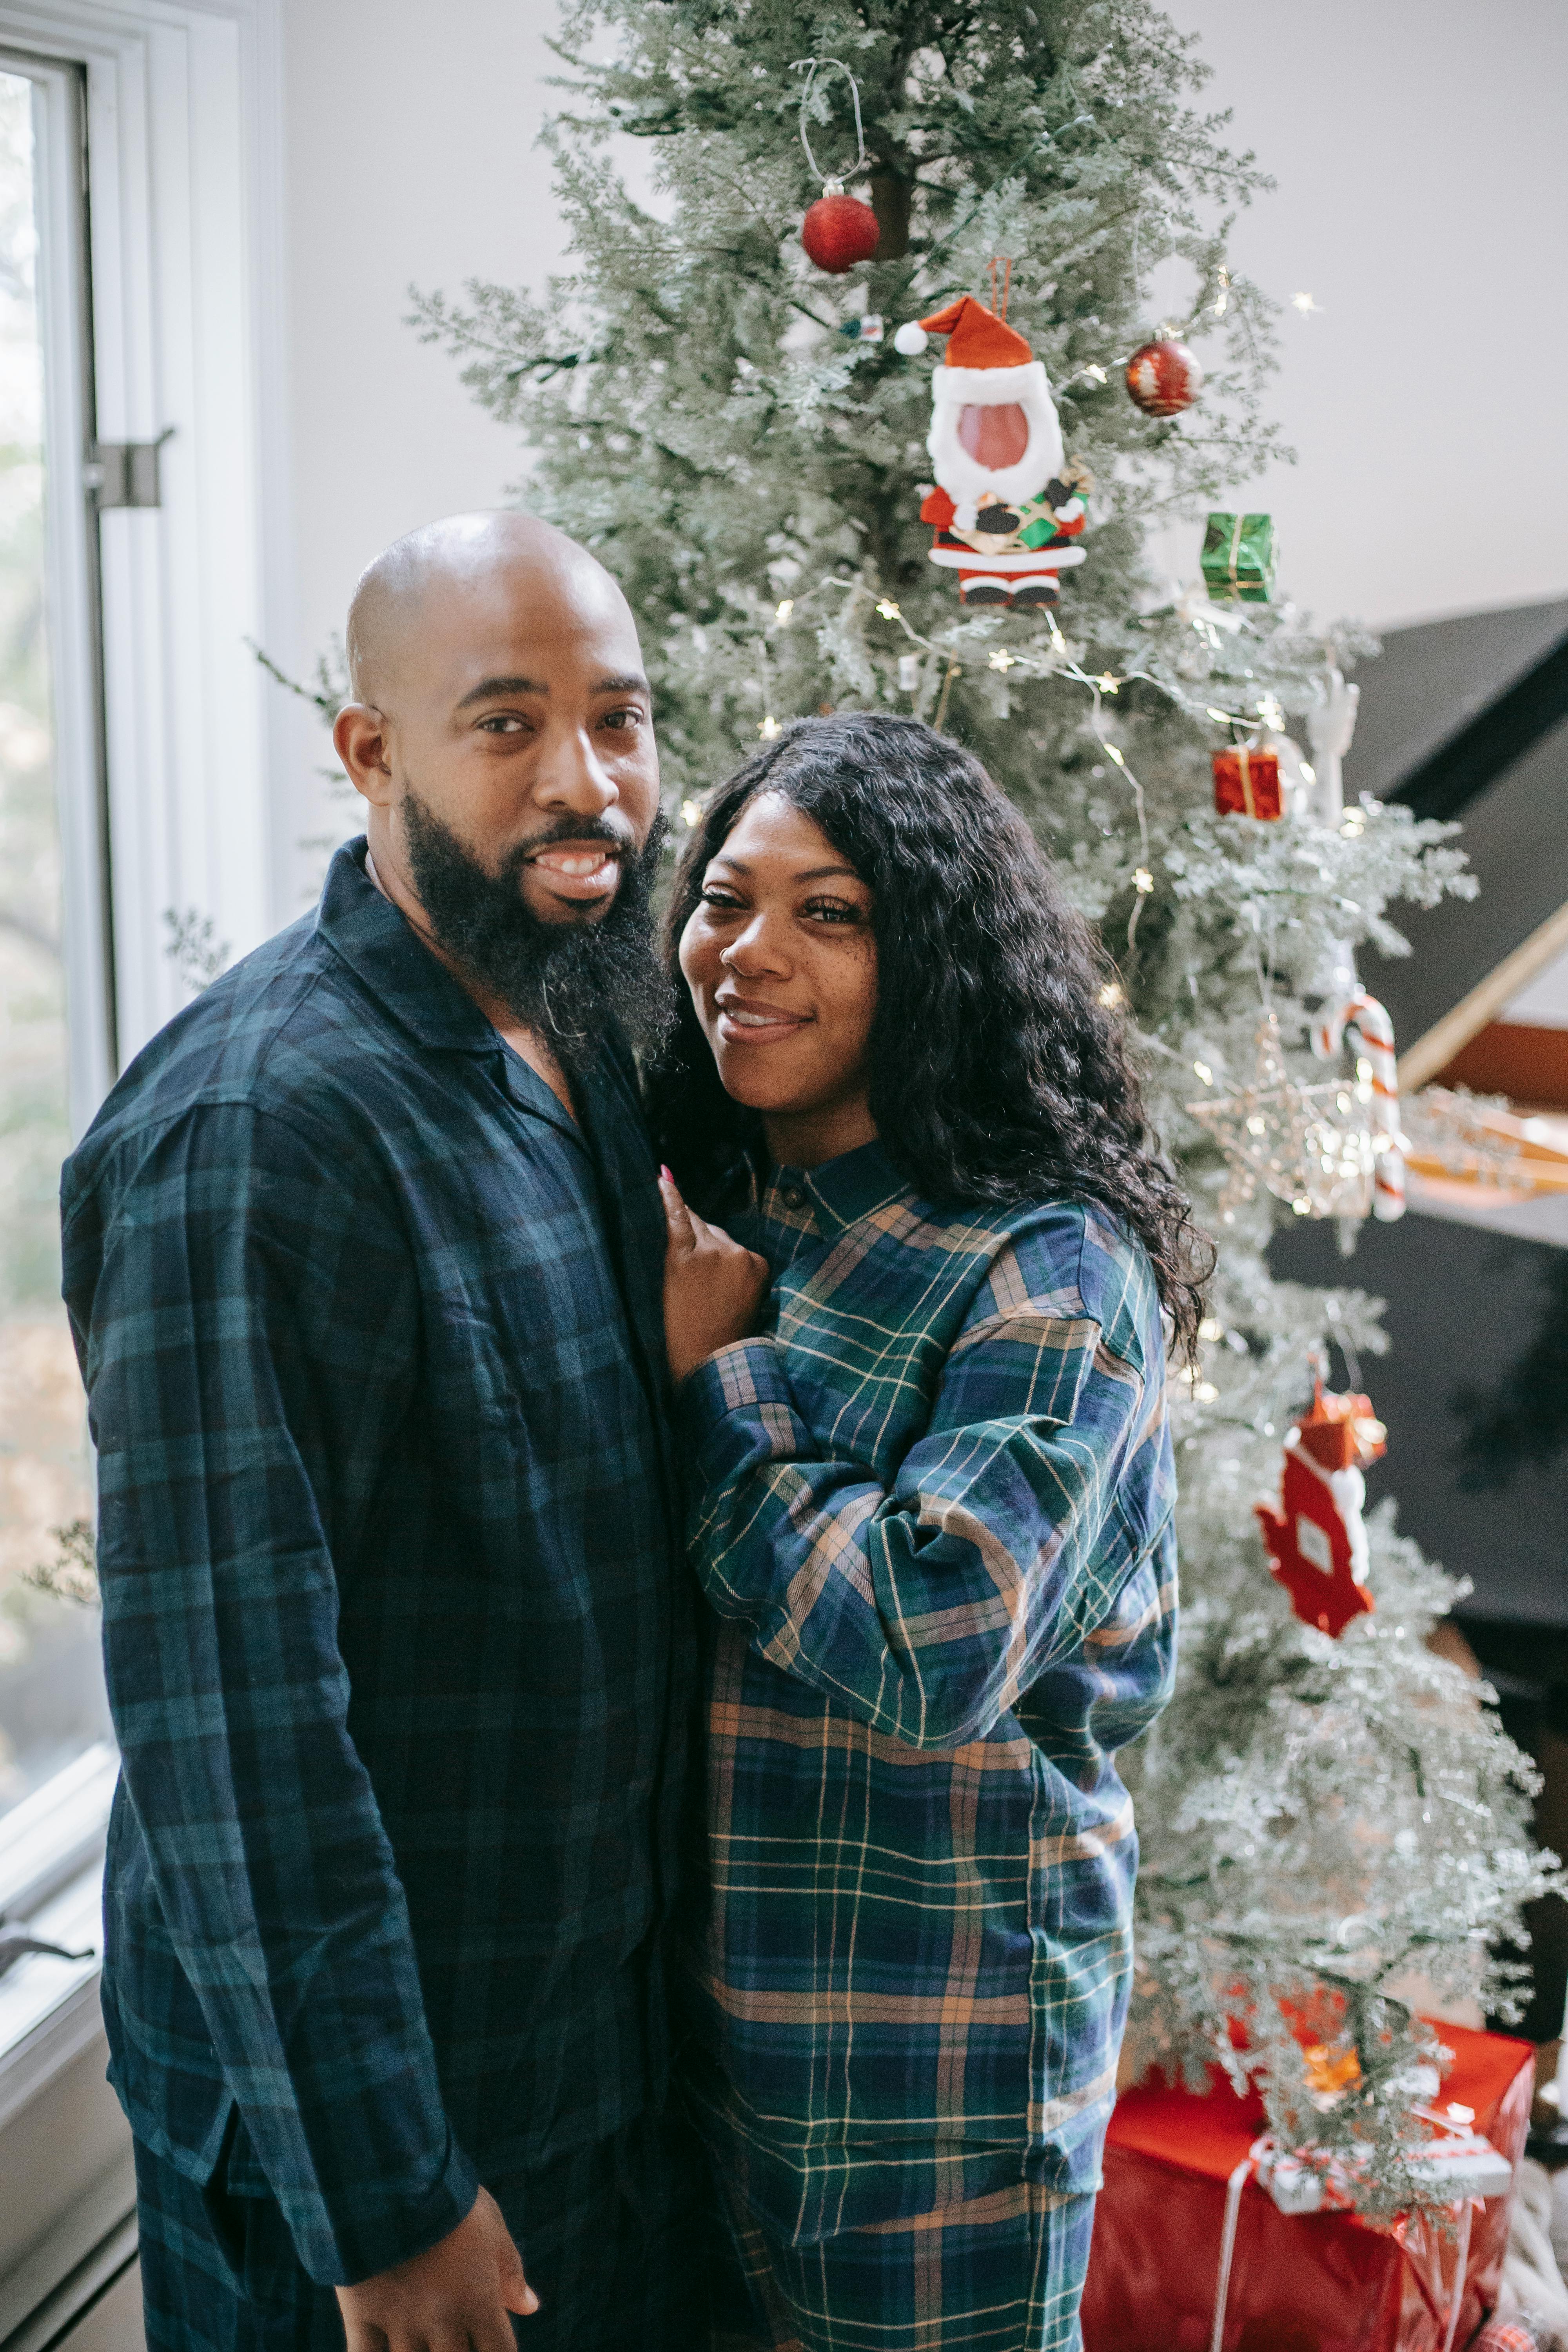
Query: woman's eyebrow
{"type": "Point", "coordinates": [811, 873]}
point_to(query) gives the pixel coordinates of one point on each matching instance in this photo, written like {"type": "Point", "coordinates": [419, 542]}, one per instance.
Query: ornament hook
{"type": "Point", "coordinates": [811, 68]}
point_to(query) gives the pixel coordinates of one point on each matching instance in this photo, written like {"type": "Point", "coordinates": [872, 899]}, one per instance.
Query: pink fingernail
{"type": "Point", "coordinates": [664, 1173]}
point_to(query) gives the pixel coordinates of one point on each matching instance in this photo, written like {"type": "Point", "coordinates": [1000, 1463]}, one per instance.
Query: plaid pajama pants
{"type": "Point", "coordinates": [612, 2239]}
{"type": "Point", "coordinates": [1000, 2272]}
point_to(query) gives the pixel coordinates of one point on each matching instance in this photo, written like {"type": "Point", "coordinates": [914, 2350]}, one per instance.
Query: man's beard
{"type": "Point", "coordinates": [568, 981]}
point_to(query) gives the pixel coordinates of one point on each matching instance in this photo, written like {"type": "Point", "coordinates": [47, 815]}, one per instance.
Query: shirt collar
{"type": "Point", "coordinates": [400, 972]}
{"type": "Point", "coordinates": [841, 1191]}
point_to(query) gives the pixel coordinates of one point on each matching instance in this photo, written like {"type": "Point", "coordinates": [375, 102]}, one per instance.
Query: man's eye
{"type": "Point", "coordinates": [503, 722]}
{"type": "Point", "coordinates": [626, 721]}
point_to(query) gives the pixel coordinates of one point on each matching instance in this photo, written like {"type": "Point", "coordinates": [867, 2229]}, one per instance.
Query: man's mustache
{"type": "Point", "coordinates": [619, 839]}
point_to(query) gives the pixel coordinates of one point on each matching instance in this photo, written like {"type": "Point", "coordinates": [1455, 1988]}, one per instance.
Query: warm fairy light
{"type": "Point", "coordinates": [1097, 373]}
{"type": "Point", "coordinates": [1211, 1328]}
{"type": "Point", "coordinates": [691, 816]}
{"type": "Point", "coordinates": [1108, 685]}
{"type": "Point", "coordinates": [888, 609]}
{"type": "Point", "coordinates": [1222, 298]}
{"type": "Point", "coordinates": [1355, 824]}
{"type": "Point", "coordinates": [1302, 1206]}
{"type": "Point", "coordinates": [1112, 995]}
{"type": "Point", "coordinates": [1143, 881]}
{"type": "Point", "coordinates": [1309, 773]}
{"type": "Point", "coordinates": [1000, 658]}
{"type": "Point", "coordinates": [1223, 717]}
{"type": "Point", "coordinates": [1058, 640]}
{"type": "Point", "coordinates": [785, 609]}
{"type": "Point", "coordinates": [769, 729]}
{"type": "Point", "coordinates": [1271, 713]}
{"type": "Point", "coordinates": [1112, 754]}
{"type": "Point", "coordinates": [1205, 1072]}
{"type": "Point", "coordinates": [1204, 1392]}
{"type": "Point", "coordinates": [1304, 303]}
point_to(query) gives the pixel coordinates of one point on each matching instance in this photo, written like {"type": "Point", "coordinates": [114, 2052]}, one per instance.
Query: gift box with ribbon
{"type": "Point", "coordinates": [1207, 2240]}
{"type": "Point", "coordinates": [1238, 558]}
{"type": "Point", "coordinates": [1246, 783]}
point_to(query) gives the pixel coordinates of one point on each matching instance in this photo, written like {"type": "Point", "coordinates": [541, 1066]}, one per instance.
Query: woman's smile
{"type": "Point", "coordinates": [743, 1020]}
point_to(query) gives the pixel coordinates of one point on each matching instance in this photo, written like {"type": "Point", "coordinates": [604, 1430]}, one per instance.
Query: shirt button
{"type": "Point", "coordinates": [792, 1197]}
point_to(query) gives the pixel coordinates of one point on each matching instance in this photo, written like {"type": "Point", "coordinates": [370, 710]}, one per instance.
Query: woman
{"type": "Point", "coordinates": [934, 1529]}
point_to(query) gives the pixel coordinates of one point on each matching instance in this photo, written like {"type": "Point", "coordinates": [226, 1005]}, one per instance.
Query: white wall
{"type": "Point", "coordinates": [1422, 202]}
{"type": "Point", "coordinates": [411, 128]}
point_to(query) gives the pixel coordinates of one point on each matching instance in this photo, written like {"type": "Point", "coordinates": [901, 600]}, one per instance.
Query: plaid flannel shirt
{"type": "Point", "coordinates": [395, 1627]}
{"type": "Point", "coordinates": [935, 1527]}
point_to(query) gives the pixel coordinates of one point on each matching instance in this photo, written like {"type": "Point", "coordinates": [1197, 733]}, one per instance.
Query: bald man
{"type": "Point", "coordinates": [364, 1259]}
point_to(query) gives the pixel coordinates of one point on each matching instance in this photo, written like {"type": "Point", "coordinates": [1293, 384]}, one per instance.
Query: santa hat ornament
{"type": "Point", "coordinates": [977, 340]}
{"type": "Point", "coordinates": [1316, 1541]}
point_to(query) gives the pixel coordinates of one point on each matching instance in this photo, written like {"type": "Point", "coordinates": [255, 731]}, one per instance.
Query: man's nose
{"type": "Point", "coordinates": [571, 776]}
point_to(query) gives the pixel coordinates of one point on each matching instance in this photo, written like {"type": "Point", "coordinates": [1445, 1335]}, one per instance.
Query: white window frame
{"type": "Point", "coordinates": [71, 601]}
{"type": "Point", "coordinates": [183, 115]}
{"type": "Point", "coordinates": [187, 789]}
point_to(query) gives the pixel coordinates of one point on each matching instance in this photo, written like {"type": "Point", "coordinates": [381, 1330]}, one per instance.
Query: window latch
{"type": "Point", "coordinates": [17, 1945]}
{"type": "Point", "coordinates": [124, 473]}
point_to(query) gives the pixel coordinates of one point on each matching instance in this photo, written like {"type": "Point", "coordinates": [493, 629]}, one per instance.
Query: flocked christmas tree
{"type": "Point", "coordinates": [1324, 1814]}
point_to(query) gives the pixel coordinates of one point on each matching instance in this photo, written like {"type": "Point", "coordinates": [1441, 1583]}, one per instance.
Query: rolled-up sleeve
{"type": "Point", "coordinates": [246, 1321]}
{"type": "Point", "coordinates": [926, 1606]}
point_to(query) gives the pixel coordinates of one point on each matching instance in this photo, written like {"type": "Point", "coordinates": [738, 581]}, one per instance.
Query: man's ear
{"type": "Point", "coordinates": [359, 738]}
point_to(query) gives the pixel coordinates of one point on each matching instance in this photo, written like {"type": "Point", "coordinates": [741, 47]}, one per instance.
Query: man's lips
{"type": "Point", "coordinates": [748, 1021]}
{"type": "Point", "coordinates": [572, 870]}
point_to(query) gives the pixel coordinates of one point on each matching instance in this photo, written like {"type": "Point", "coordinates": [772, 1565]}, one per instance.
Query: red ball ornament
{"type": "Point", "coordinates": [839, 231]}
{"type": "Point", "coordinates": [1163, 378]}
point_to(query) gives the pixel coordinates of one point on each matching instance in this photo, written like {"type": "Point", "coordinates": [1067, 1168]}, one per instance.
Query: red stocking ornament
{"type": "Point", "coordinates": [1316, 1541]}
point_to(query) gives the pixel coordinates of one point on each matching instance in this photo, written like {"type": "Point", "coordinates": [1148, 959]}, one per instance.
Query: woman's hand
{"type": "Point", "coordinates": [712, 1286]}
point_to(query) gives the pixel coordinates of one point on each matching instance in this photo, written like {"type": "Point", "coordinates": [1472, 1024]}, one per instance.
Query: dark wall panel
{"type": "Point", "coordinates": [1429, 679]}
{"type": "Point", "coordinates": [1483, 1312]}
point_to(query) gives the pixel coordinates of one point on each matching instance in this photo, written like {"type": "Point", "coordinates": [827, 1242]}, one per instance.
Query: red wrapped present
{"type": "Point", "coordinates": [1177, 2165]}
{"type": "Point", "coordinates": [1246, 783]}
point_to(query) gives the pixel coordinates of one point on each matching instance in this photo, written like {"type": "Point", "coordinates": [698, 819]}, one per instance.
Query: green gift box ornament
{"type": "Point", "coordinates": [1238, 558]}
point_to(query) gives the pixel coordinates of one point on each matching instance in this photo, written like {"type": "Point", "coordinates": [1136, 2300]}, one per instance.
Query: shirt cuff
{"type": "Point", "coordinates": [736, 1379]}
{"type": "Point", "coordinates": [372, 2242]}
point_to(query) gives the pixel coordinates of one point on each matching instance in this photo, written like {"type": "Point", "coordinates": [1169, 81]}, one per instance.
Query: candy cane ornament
{"type": "Point", "coordinates": [1372, 1026]}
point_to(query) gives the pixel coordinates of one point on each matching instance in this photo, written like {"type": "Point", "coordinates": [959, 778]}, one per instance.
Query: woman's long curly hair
{"type": "Point", "coordinates": [998, 1072]}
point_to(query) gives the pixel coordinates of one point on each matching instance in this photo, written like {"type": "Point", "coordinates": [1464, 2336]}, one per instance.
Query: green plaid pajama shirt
{"type": "Point", "coordinates": [396, 1631]}
{"type": "Point", "coordinates": [935, 1530]}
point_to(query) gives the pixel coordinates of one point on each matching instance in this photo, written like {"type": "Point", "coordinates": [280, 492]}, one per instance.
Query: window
{"type": "Point", "coordinates": [54, 1017]}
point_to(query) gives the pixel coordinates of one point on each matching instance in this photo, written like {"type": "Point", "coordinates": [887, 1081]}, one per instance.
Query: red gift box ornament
{"type": "Point", "coordinates": [1246, 783]}
{"type": "Point", "coordinates": [1316, 1541]}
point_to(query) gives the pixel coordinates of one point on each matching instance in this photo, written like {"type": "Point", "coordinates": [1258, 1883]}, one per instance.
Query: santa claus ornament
{"type": "Point", "coordinates": [1316, 1541]}
{"type": "Point", "coordinates": [1005, 510]}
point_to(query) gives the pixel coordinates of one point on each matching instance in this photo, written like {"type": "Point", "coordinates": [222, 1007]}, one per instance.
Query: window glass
{"type": "Point", "coordinates": [51, 1699]}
